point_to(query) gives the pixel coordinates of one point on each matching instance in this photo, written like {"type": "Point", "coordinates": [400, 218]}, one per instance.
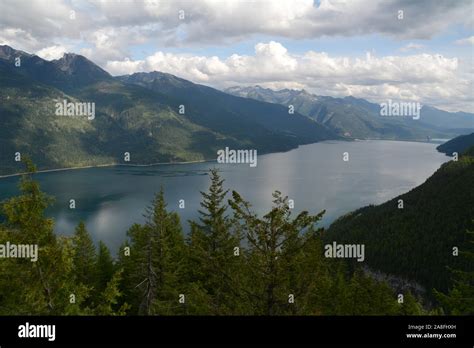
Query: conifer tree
{"type": "Point", "coordinates": [310, 276]}
{"type": "Point", "coordinates": [127, 264]}
{"type": "Point", "coordinates": [460, 298]}
{"type": "Point", "coordinates": [215, 252]}
{"type": "Point", "coordinates": [275, 244]}
{"type": "Point", "coordinates": [105, 267]}
{"type": "Point", "coordinates": [410, 305]}
{"type": "Point", "coordinates": [84, 259]}
{"type": "Point", "coordinates": [156, 261]}
{"type": "Point", "coordinates": [109, 298]}
{"type": "Point", "coordinates": [43, 287]}
{"type": "Point", "coordinates": [366, 296]}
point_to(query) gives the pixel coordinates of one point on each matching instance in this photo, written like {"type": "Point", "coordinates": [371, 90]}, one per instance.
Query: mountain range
{"type": "Point", "coordinates": [157, 117]}
{"type": "Point", "coordinates": [357, 118]}
{"type": "Point", "coordinates": [139, 114]}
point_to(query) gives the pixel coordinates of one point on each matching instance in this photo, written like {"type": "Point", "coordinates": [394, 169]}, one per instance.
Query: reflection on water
{"type": "Point", "coordinates": [111, 199]}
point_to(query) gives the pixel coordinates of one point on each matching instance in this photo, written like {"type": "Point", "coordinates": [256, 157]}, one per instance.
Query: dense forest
{"type": "Point", "coordinates": [459, 144]}
{"type": "Point", "coordinates": [423, 235]}
{"type": "Point", "coordinates": [233, 262]}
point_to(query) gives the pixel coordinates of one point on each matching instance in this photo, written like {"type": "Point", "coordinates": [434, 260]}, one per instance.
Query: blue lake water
{"type": "Point", "coordinates": [111, 199]}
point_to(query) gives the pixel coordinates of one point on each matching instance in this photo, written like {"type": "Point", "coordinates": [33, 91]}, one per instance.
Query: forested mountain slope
{"type": "Point", "coordinates": [417, 241]}
{"type": "Point", "coordinates": [459, 144]}
{"type": "Point", "coordinates": [129, 117]}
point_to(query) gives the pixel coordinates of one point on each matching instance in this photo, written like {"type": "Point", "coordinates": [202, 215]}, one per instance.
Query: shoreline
{"type": "Point", "coordinates": [186, 162]}
{"type": "Point", "coordinates": [101, 166]}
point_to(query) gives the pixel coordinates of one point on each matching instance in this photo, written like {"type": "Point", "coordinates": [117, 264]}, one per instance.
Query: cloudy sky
{"type": "Point", "coordinates": [402, 50]}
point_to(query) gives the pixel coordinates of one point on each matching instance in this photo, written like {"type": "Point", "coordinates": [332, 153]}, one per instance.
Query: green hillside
{"type": "Point", "coordinates": [417, 241]}
{"type": "Point", "coordinates": [459, 144]}
{"type": "Point", "coordinates": [230, 114]}
{"type": "Point", "coordinates": [143, 121]}
{"type": "Point", "coordinates": [127, 120]}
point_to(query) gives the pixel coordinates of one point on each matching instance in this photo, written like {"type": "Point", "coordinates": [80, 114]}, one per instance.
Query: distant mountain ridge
{"type": "Point", "coordinates": [138, 114]}
{"type": "Point", "coordinates": [68, 73]}
{"type": "Point", "coordinates": [213, 104]}
{"type": "Point", "coordinates": [358, 118]}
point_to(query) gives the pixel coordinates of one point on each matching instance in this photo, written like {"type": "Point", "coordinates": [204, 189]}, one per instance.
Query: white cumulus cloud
{"type": "Point", "coordinates": [52, 52]}
{"type": "Point", "coordinates": [429, 78]}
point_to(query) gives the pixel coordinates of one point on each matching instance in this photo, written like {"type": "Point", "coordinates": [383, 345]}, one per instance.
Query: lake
{"type": "Point", "coordinates": [111, 199]}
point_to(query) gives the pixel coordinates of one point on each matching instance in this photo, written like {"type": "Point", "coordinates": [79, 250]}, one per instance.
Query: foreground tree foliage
{"type": "Point", "coordinates": [276, 260]}
{"type": "Point", "coordinates": [214, 265]}
{"type": "Point", "coordinates": [154, 271]}
{"type": "Point", "coordinates": [63, 279]}
{"type": "Point", "coordinates": [412, 236]}
{"type": "Point", "coordinates": [233, 262]}
{"type": "Point", "coordinates": [460, 298]}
